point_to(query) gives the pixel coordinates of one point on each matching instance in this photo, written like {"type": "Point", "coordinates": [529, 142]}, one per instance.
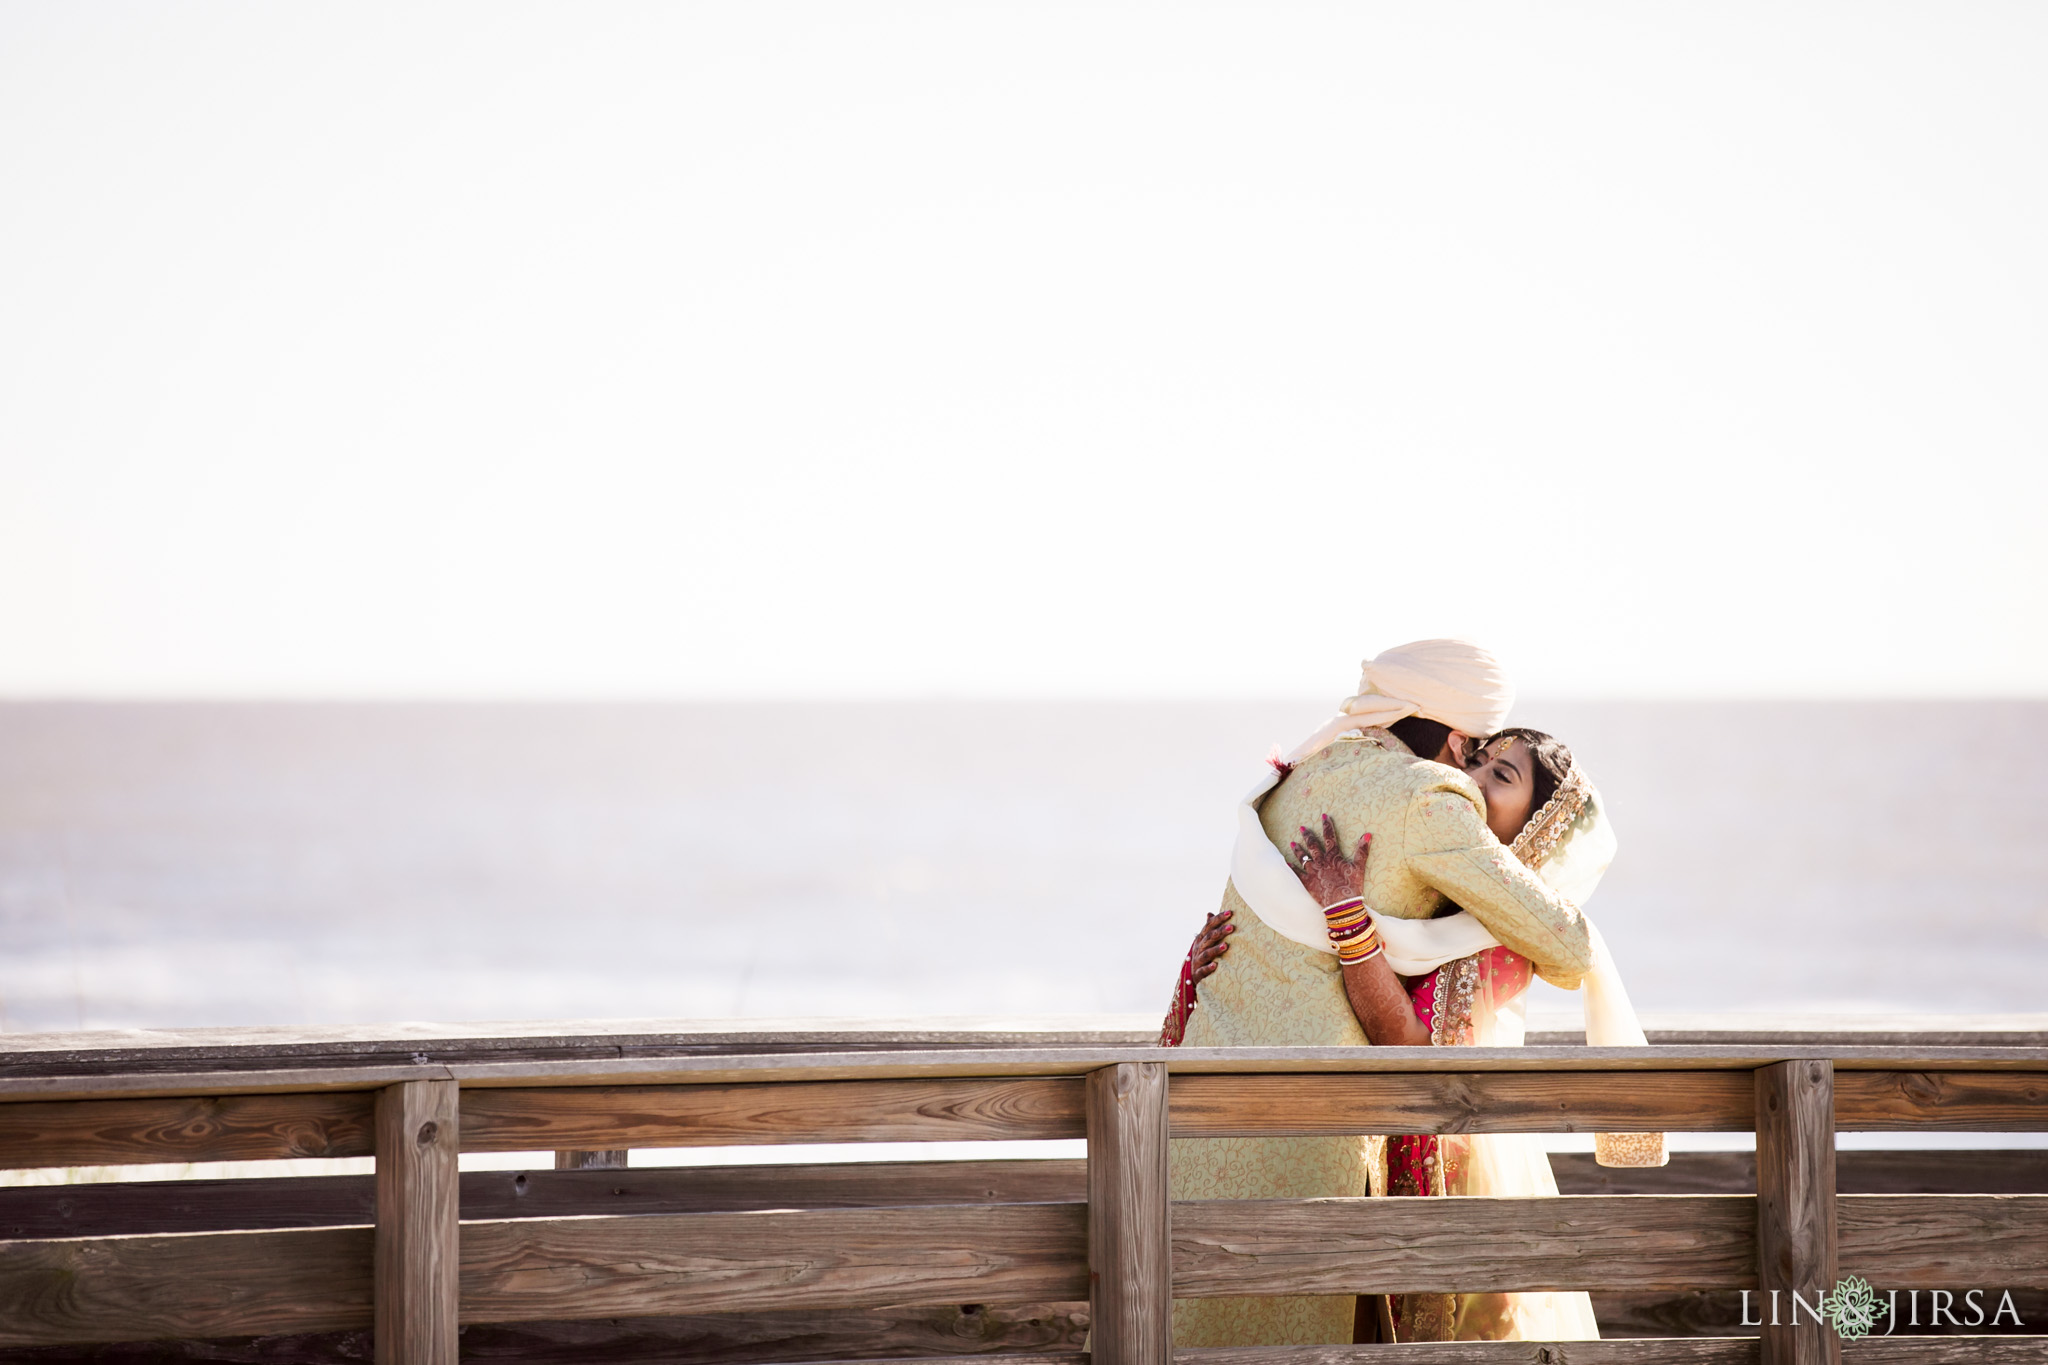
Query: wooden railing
{"type": "Point", "coordinates": [940, 1260]}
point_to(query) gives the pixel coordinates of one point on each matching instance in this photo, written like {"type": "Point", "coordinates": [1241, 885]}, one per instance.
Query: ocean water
{"type": "Point", "coordinates": [181, 865]}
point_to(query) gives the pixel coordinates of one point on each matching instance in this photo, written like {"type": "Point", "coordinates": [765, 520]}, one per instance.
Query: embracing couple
{"type": "Point", "coordinates": [1475, 847]}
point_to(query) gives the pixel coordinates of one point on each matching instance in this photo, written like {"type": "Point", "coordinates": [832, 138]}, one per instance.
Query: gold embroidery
{"type": "Point", "coordinates": [1427, 1317]}
{"type": "Point", "coordinates": [1456, 984]}
{"type": "Point", "coordinates": [1541, 835]}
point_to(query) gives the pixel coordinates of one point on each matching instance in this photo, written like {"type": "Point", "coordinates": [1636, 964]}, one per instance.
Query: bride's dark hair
{"type": "Point", "coordinates": [1552, 766]}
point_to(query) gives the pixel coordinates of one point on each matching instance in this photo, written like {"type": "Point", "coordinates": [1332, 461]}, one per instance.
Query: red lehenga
{"type": "Point", "coordinates": [1478, 1001]}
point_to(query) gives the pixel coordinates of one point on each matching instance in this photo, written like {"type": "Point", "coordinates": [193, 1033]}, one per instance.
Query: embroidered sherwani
{"type": "Point", "coordinates": [1430, 845]}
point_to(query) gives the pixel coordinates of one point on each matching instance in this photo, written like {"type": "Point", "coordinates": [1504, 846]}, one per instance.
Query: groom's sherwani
{"type": "Point", "coordinates": [1430, 845]}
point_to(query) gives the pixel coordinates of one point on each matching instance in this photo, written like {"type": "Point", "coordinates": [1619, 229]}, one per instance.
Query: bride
{"type": "Point", "coordinates": [1446, 981]}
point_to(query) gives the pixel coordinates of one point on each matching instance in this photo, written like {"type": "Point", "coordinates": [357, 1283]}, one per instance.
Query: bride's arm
{"type": "Point", "coordinates": [1374, 989]}
{"type": "Point", "coordinates": [1382, 1005]}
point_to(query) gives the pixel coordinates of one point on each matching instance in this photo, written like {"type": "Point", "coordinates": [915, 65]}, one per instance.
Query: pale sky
{"type": "Point", "coordinates": [859, 349]}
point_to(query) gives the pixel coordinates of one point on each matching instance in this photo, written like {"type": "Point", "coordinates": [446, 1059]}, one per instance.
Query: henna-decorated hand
{"type": "Point", "coordinates": [1212, 943]}
{"type": "Point", "coordinates": [1320, 863]}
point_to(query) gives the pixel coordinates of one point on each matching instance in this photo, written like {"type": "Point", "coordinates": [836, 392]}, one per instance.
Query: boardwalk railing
{"type": "Point", "coordinates": [948, 1259]}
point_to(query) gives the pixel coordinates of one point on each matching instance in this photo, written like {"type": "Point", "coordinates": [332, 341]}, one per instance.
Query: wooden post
{"type": "Point", "coordinates": [1795, 1211]}
{"type": "Point", "coordinates": [611, 1159]}
{"type": "Point", "coordinates": [418, 1223]}
{"type": "Point", "coordinates": [1130, 1253]}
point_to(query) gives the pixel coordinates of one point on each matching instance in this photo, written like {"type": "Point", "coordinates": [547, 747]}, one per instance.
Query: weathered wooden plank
{"type": "Point", "coordinates": [568, 1039]}
{"type": "Point", "coordinates": [1956, 1350]}
{"type": "Point", "coordinates": [1920, 1101]}
{"type": "Point", "coordinates": [1033, 1358]}
{"type": "Point", "coordinates": [1795, 1182]}
{"type": "Point", "coordinates": [139, 1207]}
{"type": "Point", "coordinates": [418, 1247]}
{"type": "Point", "coordinates": [1946, 1241]}
{"type": "Point", "coordinates": [1706, 1351]}
{"type": "Point", "coordinates": [1550, 1102]}
{"type": "Point", "coordinates": [703, 1341]}
{"type": "Point", "coordinates": [1687, 1173]}
{"type": "Point", "coordinates": [764, 1262]}
{"type": "Point", "coordinates": [2016, 1171]}
{"type": "Point", "coordinates": [100, 1086]}
{"type": "Point", "coordinates": [1130, 1254]}
{"type": "Point", "coordinates": [1914, 1171]}
{"type": "Point", "coordinates": [1029, 1358]}
{"type": "Point", "coordinates": [1377, 1246]}
{"type": "Point", "coordinates": [200, 1128]}
{"type": "Point", "coordinates": [204, 1285]}
{"type": "Point", "coordinates": [128, 1208]}
{"type": "Point", "coordinates": [538, 1269]}
{"type": "Point", "coordinates": [1026, 1333]}
{"type": "Point", "coordinates": [548, 1039]}
{"type": "Point", "coordinates": [1890, 1029]}
{"type": "Point", "coordinates": [296, 1348]}
{"type": "Point", "coordinates": [554, 1040]}
{"type": "Point", "coordinates": [965, 1062]}
{"type": "Point", "coordinates": [736, 1189]}
{"type": "Point", "coordinates": [727, 1115]}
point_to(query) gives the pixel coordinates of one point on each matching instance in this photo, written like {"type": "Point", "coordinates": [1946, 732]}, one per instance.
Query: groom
{"type": "Point", "coordinates": [1387, 763]}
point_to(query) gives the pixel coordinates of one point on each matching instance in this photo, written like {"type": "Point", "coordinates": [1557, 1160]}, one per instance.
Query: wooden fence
{"type": "Point", "coordinates": [944, 1260]}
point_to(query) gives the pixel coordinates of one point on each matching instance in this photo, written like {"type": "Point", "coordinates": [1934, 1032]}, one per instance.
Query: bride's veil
{"type": "Point", "coordinates": [1570, 843]}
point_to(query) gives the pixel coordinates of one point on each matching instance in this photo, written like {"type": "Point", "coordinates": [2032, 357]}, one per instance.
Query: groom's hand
{"type": "Point", "coordinates": [1320, 863]}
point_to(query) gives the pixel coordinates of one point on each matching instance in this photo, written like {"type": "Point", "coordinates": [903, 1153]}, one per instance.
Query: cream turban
{"type": "Point", "coordinates": [1452, 681]}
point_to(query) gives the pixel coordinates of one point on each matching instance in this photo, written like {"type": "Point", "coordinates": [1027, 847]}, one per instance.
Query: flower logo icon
{"type": "Point", "coordinates": [1852, 1308]}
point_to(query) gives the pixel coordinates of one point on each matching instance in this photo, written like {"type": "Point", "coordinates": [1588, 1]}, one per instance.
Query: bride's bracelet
{"type": "Point", "coordinates": [1352, 932]}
